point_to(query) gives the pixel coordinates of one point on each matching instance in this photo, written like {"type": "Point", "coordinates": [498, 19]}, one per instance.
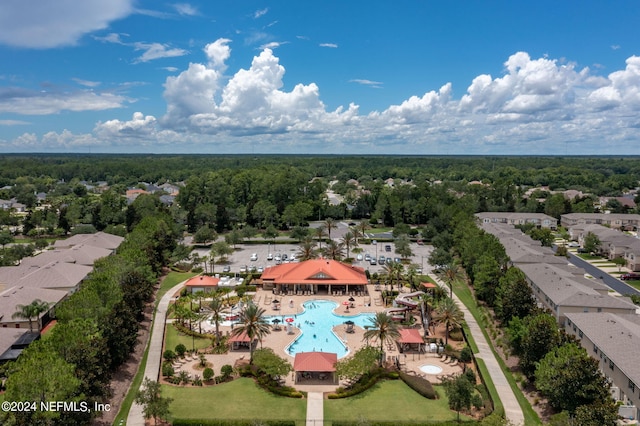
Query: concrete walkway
{"type": "Point", "coordinates": [512, 409]}
{"type": "Point", "coordinates": [154, 356]}
{"type": "Point", "coordinates": [315, 409]}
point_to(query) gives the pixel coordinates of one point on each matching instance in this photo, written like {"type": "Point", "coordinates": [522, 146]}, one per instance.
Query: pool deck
{"type": "Point", "coordinates": [279, 340]}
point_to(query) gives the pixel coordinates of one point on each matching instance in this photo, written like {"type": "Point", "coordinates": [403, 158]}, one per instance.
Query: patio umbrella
{"type": "Point", "coordinates": [289, 320]}
{"type": "Point", "coordinates": [346, 303]}
{"type": "Point", "coordinates": [275, 301]}
{"type": "Point", "coordinates": [349, 322]}
{"type": "Point", "coordinates": [276, 321]}
{"type": "Point", "coordinates": [351, 299]}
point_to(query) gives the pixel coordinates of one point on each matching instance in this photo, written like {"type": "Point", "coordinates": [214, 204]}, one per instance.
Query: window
{"type": "Point", "coordinates": [585, 310]}
{"type": "Point", "coordinates": [632, 386]}
{"type": "Point", "coordinates": [611, 365]}
{"type": "Point", "coordinates": [595, 349]}
{"type": "Point", "coordinates": [599, 309]}
{"type": "Point", "coordinates": [580, 333]}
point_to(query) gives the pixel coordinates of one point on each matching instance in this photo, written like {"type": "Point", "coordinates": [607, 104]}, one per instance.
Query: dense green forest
{"type": "Point", "coordinates": [600, 174]}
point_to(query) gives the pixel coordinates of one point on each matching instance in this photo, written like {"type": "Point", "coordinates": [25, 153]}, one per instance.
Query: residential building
{"type": "Point", "coordinates": [612, 220]}
{"type": "Point", "coordinates": [538, 219]}
{"type": "Point", "coordinates": [614, 341]}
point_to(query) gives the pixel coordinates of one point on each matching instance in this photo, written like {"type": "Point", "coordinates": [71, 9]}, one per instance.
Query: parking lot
{"type": "Point", "coordinates": [240, 260]}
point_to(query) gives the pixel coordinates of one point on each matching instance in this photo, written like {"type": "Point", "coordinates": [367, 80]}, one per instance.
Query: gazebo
{"type": "Point", "coordinates": [410, 337]}
{"type": "Point", "coordinates": [239, 341]}
{"type": "Point", "coordinates": [315, 365]}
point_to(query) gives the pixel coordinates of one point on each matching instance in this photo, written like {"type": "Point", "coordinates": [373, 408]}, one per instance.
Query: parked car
{"type": "Point", "coordinates": [278, 258]}
{"type": "Point", "coordinates": [373, 261]}
{"type": "Point", "coordinates": [630, 276]}
{"type": "Point", "coordinates": [243, 269]}
{"type": "Point", "coordinates": [573, 244]}
{"type": "Point", "coordinates": [387, 247]}
{"type": "Point", "coordinates": [226, 268]}
{"type": "Point", "coordinates": [270, 256]}
{"type": "Point", "coordinates": [397, 259]}
{"type": "Point", "coordinates": [254, 257]}
{"type": "Point", "coordinates": [260, 269]}
{"type": "Point", "coordinates": [367, 257]}
{"type": "Point", "coordinates": [359, 256]}
{"type": "Point", "coordinates": [583, 250]}
{"type": "Point", "coordinates": [381, 260]}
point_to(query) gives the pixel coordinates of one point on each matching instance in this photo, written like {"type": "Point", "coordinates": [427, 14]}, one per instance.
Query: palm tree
{"type": "Point", "coordinates": [449, 314]}
{"type": "Point", "coordinates": [393, 271]}
{"type": "Point", "coordinates": [216, 305]}
{"type": "Point", "coordinates": [362, 227]}
{"type": "Point", "coordinates": [348, 241]}
{"type": "Point", "coordinates": [253, 324]}
{"type": "Point", "coordinates": [427, 300]}
{"type": "Point", "coordinates": [330, 224]}
{"type": "Point", "coordinates": [319, 233]}
{"type": "Point", "coordinates": [307, 249]}
{"type": "Point", "coordinates": [334, 250]}
{"type": "Point", "coordinates": [412, 271]}
{"type": "Point", "coordinates": [356, 234]}
{"type": "Point", "coordinates": [450, 273]}
{"type": "Point", "coordinates": [31, 311]}
{"type": "Point", "coordinates": [382, 329]}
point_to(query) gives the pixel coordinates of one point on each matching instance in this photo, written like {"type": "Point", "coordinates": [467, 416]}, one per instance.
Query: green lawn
{"type": "Point", "coordinates": [170, 281]}
{"type": "Point", "coordinates": [240, 399]}
{"type": "Point", "coordinates": [390, 400]}
{"type": "Point", "coordinates": [172, 338]}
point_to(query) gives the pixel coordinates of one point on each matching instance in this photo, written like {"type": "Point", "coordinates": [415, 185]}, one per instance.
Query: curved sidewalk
{"type": "Point", "coordinates": [152, 369]}
{"type": "Point", "coordinates": [512, 409]}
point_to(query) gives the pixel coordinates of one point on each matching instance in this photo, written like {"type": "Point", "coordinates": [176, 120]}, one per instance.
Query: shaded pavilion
{"type": "Point", "coordinates": [410, 339]}
{"type": "Point", "coordinates": [239, 342]}
{"type": "Point", "coordinates": [315, 365]}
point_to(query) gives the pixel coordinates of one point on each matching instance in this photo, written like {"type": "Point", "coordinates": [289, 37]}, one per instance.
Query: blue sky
{"type": "Point", "coordinates": [331, 77]}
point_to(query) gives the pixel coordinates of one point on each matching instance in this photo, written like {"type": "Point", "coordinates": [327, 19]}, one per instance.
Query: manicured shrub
{"type": "Point", "coordinates": [167, 369]}
{"type": "Point", "coordinates": [419, 384]}
{"type": "Point", "coordinates": [471, 376]}
{"type": "Point", "coordinates": [208, 374]}
{"type": "Point", "coordinates": [181, 349]}
{"type": "Point", "coordinates": [466, 355]}
{"type": "Point", "coordinates": [169, 355]}
{"type": "Point", "coordinates": [226, 370]}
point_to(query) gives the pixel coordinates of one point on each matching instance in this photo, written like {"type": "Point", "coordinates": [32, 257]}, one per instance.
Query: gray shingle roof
{"type": "Point", "coordinates": [617, 336]}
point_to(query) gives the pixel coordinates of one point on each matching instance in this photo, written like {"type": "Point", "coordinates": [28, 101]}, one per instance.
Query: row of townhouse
{"type": "Point", "coordinates": [628, 222]}
{"type": "Point", "coordinates": [541, 220]}
{"type": "Point", "coordinates": [50, 277]}
{"type": "Point", "coordinates": [607, 326]}
{"type": "Point", "coordinates": [613, 243]}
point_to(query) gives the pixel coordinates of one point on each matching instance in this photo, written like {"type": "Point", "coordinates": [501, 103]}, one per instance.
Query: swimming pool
{"type": "Point", "coordinates": [316, 323]}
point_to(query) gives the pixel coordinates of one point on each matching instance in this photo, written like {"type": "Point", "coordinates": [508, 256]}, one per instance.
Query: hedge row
{"type": "Point", "coordinates": [420, 385]}
{"type": "Point", "coordinates": [366, 382]}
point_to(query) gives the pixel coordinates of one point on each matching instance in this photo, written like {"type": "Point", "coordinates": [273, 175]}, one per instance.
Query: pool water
{"type": "Point", "coordinates": [431, 369]}
{"type": "Point", "coordinates": [316, 323]}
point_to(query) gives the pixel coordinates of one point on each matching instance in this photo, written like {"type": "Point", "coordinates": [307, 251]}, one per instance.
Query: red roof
{"type": "Point", "coordinates": [315, 361]}
{"type": "Point", "coordinates": [429, 285]}
{"type": "Point", "coordinates": [315, 271]}
{"type": "Point", "coordinates": [202, 281]}
{"type": "Point", "coordinates": [242, 337]}
{"type": "Point", "coordinates": [410, 335]}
